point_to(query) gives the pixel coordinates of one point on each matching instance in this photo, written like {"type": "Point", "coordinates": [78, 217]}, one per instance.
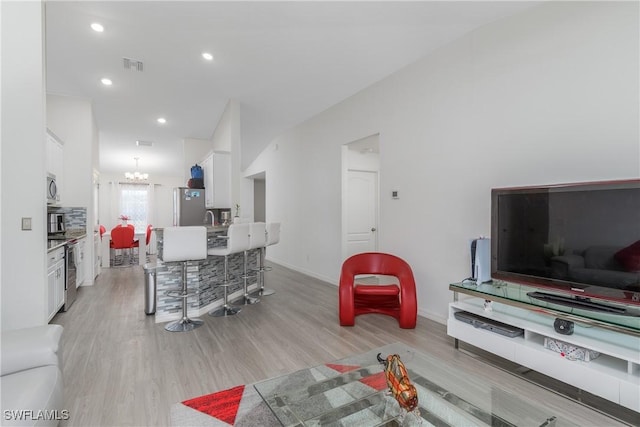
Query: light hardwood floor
{"type": "Point", "coordinates": [121, 368]}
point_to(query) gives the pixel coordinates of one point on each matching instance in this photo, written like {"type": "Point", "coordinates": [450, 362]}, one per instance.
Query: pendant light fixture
{"type": "Point", "coordinates": [136, 176]}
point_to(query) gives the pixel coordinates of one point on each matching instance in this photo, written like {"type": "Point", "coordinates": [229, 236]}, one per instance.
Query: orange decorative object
{"type": "Point", "coordinates": [399, 383]}
{"type": "Point", "coordinates": [394, 300]}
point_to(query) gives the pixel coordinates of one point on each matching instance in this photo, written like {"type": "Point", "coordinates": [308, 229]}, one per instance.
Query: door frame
{"type": "Point", "coordinates": [371, 145]}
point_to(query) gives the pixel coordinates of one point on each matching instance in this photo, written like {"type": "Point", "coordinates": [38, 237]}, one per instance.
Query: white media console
{"type": "Point", "coordinates": [614, 375]}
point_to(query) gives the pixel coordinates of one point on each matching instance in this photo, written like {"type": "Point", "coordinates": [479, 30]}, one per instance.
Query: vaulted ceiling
{"type": "Point", "coordinates": [283, 61]}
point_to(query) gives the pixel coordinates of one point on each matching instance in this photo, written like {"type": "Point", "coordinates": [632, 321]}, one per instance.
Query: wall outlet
{"type": "Point", "coordinates": [26, 223]}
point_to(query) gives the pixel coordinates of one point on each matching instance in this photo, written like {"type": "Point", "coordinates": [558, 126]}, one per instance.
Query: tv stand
{"type": "Point", "coordinates": [614, 375]}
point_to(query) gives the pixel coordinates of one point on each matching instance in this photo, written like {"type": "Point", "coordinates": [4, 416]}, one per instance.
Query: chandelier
{"type": "Point", "coordinates": [136, 176]}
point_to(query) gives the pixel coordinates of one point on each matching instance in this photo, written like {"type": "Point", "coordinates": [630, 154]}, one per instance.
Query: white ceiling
{"type": "Point", "coordinates": [283, 61]}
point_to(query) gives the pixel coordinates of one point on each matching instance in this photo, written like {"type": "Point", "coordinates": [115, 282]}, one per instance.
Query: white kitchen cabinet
{"type": "Point", "coordinates": [207, 172]}
{"type": "Point", "coordinates": [81, 263]}
{"type": "Point", "coordinates": [217, 180]}
{"type": "Point", "coordinates": [55, 282]}
{"type": "Point", "coordinates": [55, 160]}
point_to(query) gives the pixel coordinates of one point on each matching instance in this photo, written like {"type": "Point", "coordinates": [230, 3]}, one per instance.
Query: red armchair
{"type": "Point", "coordinates": [392, 300]}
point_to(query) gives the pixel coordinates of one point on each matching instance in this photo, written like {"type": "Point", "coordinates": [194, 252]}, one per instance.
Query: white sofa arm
{"type": "Point", "coordinates": [30, 348]}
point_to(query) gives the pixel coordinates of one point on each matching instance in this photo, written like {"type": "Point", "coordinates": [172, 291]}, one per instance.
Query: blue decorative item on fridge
{"type": "Point", "coordinates": [196, 172]}
{"type": "Point", "coordinates": [197, 177]}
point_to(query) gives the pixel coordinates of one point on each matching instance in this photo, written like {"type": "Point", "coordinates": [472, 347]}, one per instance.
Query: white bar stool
{"type": "Point", "coordinates": [184, 244]}
{"type": "Point", "coordinates": [257, 239]}
{"type": "Point", "coordinates": [272, 237]}
{"type": "Point", "coordinates": [237, 241]}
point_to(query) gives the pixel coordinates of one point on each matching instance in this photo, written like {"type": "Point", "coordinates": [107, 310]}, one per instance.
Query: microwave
{"type": "Point", "coordinates": [52, 189]}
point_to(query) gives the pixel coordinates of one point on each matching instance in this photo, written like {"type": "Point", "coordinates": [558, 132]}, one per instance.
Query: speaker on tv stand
{"type": "Point", "coordinates": [481, 260]}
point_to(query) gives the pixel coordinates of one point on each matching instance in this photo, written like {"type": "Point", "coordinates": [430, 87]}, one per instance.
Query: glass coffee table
{"type": "Point", "coordinates": [353, 392]}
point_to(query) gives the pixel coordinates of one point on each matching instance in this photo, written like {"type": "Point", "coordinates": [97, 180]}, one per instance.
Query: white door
{"type": "Point", "coordinates": [362, 212]}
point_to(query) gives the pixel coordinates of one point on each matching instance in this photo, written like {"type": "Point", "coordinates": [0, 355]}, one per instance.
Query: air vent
{"type": "Point", "coordinates": [140, 143]}
{"type": "Point", "coordinates": [132, 64]}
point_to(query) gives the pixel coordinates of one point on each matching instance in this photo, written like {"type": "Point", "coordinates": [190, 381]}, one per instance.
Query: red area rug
{"type": "Point", "coordinates": [222, 405]}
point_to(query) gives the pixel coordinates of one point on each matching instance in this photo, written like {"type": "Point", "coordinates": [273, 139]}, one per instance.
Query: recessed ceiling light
{"type": "Point", "coordinates": [162, 120]}
{"type": "Point", "coordinates": [207, 56]}
{"type": "Point", "coordinates": [106, 82]}
{"type": "Point", "coordinates": [98, 28]}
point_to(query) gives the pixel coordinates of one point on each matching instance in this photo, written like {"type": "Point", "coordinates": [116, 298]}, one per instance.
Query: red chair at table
{"type": "Point", "coordinates": [111, 241]}
{"type": "Point", "coordinates": [394, 300]}
{"type": "Point", "coordinates": [148, 237]}
{"type": "Point", "coordinates": [136, 244]}
{"type": "Point", "coordinates": [133, 227]}
{"type": "Point", "coordinates": [102, 231]}
{"type": "Point", "coordinates": [122, 238]}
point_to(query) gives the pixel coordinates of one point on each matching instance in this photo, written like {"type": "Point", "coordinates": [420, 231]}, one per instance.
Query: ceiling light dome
{"type": "Point", "coordinates": [107, 82]}
{"type": "Point", "coordinates": [97, 27]}
{"type": "Point", "coordinates": [207, 56]}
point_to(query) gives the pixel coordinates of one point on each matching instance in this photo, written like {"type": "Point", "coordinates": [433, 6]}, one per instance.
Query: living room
{"type": "Point", "coordinates": [546, 96]}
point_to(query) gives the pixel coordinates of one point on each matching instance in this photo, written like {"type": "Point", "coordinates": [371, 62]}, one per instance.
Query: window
{"type": "Point", "coordinates": [134, 203]}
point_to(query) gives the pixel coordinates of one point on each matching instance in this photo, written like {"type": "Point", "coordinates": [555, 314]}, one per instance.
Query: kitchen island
{"type": "Point", "coordinates": [203, 276]}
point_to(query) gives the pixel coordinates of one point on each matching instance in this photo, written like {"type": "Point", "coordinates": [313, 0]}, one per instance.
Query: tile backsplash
{"type": "Point", "coordinates": [74, 218]}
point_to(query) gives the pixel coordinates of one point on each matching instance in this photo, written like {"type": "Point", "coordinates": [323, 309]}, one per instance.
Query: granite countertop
{"type": "Point", "coordinates": [52, 245]}
{"type": "Point", "coordinates": [75, 234]}
{"type": "Point", "coordinates": [60, 241]}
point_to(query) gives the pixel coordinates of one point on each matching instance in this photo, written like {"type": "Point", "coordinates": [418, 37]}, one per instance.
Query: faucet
{"type": "Point", "coordinates": [212, 217]}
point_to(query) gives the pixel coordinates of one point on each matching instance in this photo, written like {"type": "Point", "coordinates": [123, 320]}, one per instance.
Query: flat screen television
{"type": "Point", "coordinates": [582, 240]}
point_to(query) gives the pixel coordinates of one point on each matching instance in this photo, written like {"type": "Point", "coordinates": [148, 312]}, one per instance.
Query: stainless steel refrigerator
{"type": "Point", "coordinates": [188, 206]}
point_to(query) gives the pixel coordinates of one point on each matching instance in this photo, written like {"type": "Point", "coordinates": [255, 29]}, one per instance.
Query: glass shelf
{"type": "Point", "coordinates": [517, 295]}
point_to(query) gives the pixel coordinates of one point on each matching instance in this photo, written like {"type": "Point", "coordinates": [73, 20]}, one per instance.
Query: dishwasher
{"type": "Point", "coordinates": [71, 256]}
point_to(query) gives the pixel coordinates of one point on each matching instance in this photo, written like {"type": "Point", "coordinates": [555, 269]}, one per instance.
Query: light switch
{"type": "Point", "coordinates": [26, 223]}
{"type": "Point", "coordinates": [394, 194]}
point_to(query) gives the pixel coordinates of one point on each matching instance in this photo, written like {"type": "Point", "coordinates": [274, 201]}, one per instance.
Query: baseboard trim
{"type": "Point", "coordinates": [303, 271]}
{"type": "Point", "coordinates": [431, 316]}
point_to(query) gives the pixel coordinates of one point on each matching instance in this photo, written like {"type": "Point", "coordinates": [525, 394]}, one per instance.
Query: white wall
{"type": "Point", "coordinates": [194, 151]}
{"type": "Point", "coordinates": [227, 138]}
{"type": "Point", "coordinates": [72, 120]}
{"type": "Point", "coordinates": [547, 96]}
{"type": "Point", "coordinates": [23, 253]}
{"type": "Point", "coordinates": [241, 189]}
{"type": "Point", "coordinates": [221, 138]}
